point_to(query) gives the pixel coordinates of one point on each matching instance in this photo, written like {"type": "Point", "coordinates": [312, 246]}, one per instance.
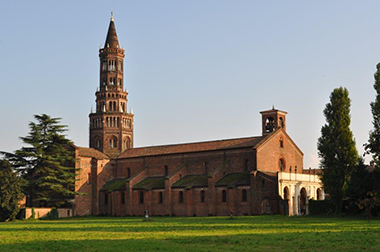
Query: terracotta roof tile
{"type": "Point", "coordinates": [151, 183]}
{"type": "Point", "coordinates": [90, 152]}
{"type": "Point", "coordinates": [192, 147]}
{"type": "Point", "coordinates": [114, 185]}
{"type": "Point", "coordinates": [190, 181]}
{"type": "Point", "coordinates": [234, 179]}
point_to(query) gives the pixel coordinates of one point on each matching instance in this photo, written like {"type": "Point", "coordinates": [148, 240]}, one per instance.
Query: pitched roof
{"type": "Point", "coordinates": [114, 185]}
{"type": "Point", "coordinates": [91, 152]}
{"type": "Point", "coordinates": [111, 40]}
{"type": "Point", "coordinates": [234, 179]}
{"type": "Point", "coordinates": [192, 147]}
{"type": "Point", "coordinates": [151, 183]}
{"type": "Point", "coordinates": [190, 181]}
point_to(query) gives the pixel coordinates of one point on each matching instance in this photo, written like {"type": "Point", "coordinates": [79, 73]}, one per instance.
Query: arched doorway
{"type": "Point", "coordinates": [265, 206]}
{"type": "Point", "coordinates": [287, 201]}
{"type": "Point", "coordinates": [303, 201]}
{"type": "Point", "coordinates": [319, 194]}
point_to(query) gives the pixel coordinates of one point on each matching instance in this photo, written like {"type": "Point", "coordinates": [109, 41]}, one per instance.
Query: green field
{"type": "Point", "coordinates": [253, 233]}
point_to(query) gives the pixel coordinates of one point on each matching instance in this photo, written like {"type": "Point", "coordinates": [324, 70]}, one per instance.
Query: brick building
{"type": "Point", "coordinates": [255, 175]}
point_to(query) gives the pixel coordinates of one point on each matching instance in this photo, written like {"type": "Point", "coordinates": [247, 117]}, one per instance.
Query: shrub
{"type": "Point", "coordinates": [321, 207]}
{"type": "Point", "coordinates": [21, 214]}
{"type": "Point", "coordinates": [33, 216]}
{"type": "Point", "coordinates": [53, 214]}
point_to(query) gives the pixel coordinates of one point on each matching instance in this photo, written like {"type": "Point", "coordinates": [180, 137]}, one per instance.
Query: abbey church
{"type": "Point", "coordinates": [261, 174]}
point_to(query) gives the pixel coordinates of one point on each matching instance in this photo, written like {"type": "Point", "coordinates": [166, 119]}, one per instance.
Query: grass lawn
{"type": "Point", "coordinates": [251, 233]}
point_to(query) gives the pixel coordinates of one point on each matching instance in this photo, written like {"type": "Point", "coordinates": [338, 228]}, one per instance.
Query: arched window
{"type": "Point", "coordinates": [269, 124]}
{"type": "Point", "coordinates": [127, 143]}
{"type": "Point", "coordinates": [281, 142]}
{"type": "Point", "coordinates": [281, 122]}
{"type": "Point", "coordinates": [224, 196]}
{"type": "Point", "coordinates": [141, 197]}
{"type": "Point", "coordinates": [97, 144]}
{"type": "Point", "coordinates": [203, 196]}
{"type": "Point", "coordinates": [206, 167]}
{"type": "Point", "coordinates": [244, 196]}
{"type": "Point", "coordinates": [113, 142]}
{"type": "Point", "coordinates": [166, 170]}
{"type": "Point", "coordinates": [122, 198]}
{"type": "Point", "coordinates": [128, 172]}
{"type": "Point", "coordinates": [105, 198]}
{"type": "Point", "coordinates": [89, 178]}
{"type": "Point", "coordinates": [160, 198]}
{"type": "Point", "coordinates": [246, 165]}
{"type": "Point", "coordinates": [281, 164]}
{"type": "Point", "coordinates": [180, 197]}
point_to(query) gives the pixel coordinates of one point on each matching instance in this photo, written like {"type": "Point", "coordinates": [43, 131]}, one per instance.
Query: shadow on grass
{"type": "Point", "coordinates": [180, 224]}
{"type": "Point", "coordinates": [338, 241]}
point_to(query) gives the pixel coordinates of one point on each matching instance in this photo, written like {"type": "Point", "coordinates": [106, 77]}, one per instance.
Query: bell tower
{"type": "Point", "coordinates": [273, 119]}
{"type": "Point", "coordinates": [111, 127]}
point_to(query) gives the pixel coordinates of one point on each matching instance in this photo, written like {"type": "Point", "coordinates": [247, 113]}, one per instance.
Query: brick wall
{"type": "Point", "coordinates": [269, 154]}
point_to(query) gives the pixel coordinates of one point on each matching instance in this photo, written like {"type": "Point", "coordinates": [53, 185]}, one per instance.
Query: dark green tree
{"type": "Point", "coordinates": [47, 163]}
{"type": "Point", "coordinates": [362, 181]}
{"type": "Point", "coordinates": [336, 147]}
{"type": "Point", "coordinates": [373, 146]}
{"type": "Point", "coordinates": [10, 191]}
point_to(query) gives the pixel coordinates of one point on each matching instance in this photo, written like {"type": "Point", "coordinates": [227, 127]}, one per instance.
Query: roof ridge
{"type": "Point", "coordinates": [214, 145]}
{"type": "Point", "coordinates": [210, 141]}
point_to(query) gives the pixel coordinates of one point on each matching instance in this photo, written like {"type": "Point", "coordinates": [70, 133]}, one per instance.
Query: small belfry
{"type": "Point", "coordinates": [111, 127]}
{"type": "Point", "coordinates": [272, 120]}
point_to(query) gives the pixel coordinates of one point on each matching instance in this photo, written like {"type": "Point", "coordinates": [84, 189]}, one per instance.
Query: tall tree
{"type": "Point", "coordinates": [336, 146]}
{"type": "Point", "coordinates": [373, 146]}
{"type": "Point", "coordinates": [10, 192]}
{"type": "Point", "coordinates": [47, 163]}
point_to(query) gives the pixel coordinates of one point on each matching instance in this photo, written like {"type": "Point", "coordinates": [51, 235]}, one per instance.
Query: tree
{"type": "Point", "coordinates": [47, 163]}
{"type": "Point", "coordinates": [361, 182]}
{"type": "Point", "coordinates": [336, 146]}
{"type": "Point", "coordinates": [373, 146]}
{"type": "Point", "coordinates": [10, 192]}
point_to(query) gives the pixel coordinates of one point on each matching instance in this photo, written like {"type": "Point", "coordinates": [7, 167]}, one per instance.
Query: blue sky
{"type": "Point", "coordinates": [195, 70]}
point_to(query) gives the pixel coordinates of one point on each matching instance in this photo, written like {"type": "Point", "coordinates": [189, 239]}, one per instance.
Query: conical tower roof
{"type": "Point", "coordinates": [111, 40]}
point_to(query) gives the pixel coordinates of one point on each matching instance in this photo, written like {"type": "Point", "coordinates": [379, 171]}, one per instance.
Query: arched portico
{"type": "Point", "coordinates": [297, 189]}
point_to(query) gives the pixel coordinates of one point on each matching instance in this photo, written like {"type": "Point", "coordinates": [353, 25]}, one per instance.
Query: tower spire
{"type": "Point", "coordinates": [111, 40]}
